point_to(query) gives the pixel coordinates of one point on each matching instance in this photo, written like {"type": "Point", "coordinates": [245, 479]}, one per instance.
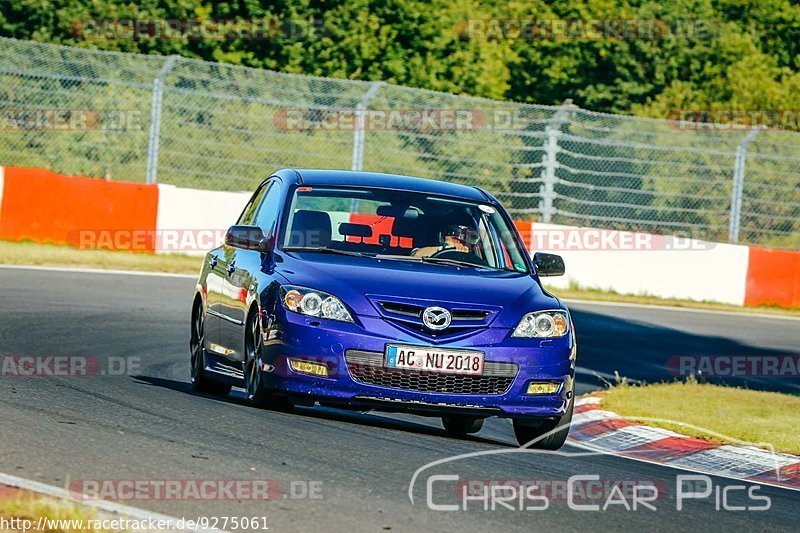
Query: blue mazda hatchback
{"type": "Point", "coordinates": [370, 291]}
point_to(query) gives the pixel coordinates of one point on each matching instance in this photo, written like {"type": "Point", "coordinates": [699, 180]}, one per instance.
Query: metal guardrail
{"type": "Point", "coordinates": [214, 126]}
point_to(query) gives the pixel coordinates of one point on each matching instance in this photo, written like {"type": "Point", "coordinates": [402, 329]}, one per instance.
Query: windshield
{"type": "Point", "coordinates": [402, 226]}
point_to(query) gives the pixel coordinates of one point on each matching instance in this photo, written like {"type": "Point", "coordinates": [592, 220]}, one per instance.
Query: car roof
{"type": "Point", "coordinates": [383, 181]}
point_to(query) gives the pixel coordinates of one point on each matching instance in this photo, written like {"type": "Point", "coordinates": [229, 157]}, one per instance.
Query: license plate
{"type": "Point", "coordinates": [434, 359]}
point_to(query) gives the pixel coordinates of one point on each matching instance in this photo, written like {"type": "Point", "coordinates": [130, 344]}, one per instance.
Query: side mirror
{"type": "Point", "coordinates": [248, 238]}
{"type": "Point", "coordinates": [548, 264]}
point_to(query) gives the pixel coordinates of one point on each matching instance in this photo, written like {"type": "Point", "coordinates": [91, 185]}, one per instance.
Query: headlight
{"type": "Point", "coordinates": [543, 324]}
{"type": "Point", "coordinates": [314, 303]}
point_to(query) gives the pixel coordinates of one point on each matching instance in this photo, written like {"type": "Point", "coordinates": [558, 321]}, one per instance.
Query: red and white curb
{"type": "Point", "coordinates": [597, 429]}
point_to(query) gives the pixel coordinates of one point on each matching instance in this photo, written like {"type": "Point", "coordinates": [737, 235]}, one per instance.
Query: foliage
{"type": "Point", "coordinates": [706, 53]}
{"type": "Point", "coordinates": [221, 121]}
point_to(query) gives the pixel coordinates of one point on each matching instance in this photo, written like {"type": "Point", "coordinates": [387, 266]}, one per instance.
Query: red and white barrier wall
{"type": "Point", "coordinates": [646, 264]}
{"type": "Point", "coordinates": [47, 207]}
{"type": "Point", "coordinates": [43, 206]}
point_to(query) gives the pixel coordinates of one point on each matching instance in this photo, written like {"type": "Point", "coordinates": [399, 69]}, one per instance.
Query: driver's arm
{"type": "Point", "coordinates": [426, 251]}
{"type": "Point", "coordinates": [450, 244]}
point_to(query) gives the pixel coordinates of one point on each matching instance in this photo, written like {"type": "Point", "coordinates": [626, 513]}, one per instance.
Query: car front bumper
{"type": "Point", "coordinates": [357, 379]}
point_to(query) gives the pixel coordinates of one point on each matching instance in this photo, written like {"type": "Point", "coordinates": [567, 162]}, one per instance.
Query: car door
{"type": "Point", "coordinates": [223, 319]}
{"type": "Point", "coordinates": [239, 272]}
{"type": "Point", "coordinates": [213, 288]}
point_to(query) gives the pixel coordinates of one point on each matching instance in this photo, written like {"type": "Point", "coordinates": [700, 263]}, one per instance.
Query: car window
{"type": "Point", "coordinates": [269, 208]}
{"type": "Point", "coordinates": [249, 210]}
{"type": "Point", "coordinates": [392, 223]}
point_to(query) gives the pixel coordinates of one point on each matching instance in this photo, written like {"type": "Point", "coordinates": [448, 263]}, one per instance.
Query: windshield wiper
{"type": "Point", "coordinates": [432, 260]}
{"type": "Point", "coordinates": [323, 250]}
{"type": "Point", "coordinates": [399, 257]}
{"type": "Point", "coordinates": [454, 262]}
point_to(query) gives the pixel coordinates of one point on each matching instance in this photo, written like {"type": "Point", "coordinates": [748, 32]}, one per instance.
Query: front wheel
{"type": "Point", "coordinates": [254, 386]}
{"type": "Point", "coordinates": [528, 430]}
{"type": "Point", "coordinates": [200, 381]}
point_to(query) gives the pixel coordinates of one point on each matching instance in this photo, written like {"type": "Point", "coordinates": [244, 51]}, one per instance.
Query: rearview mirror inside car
{"type": "Point", "coordinates": [548, 264]}
{"type": "Point", "coordinates": [397, 211]}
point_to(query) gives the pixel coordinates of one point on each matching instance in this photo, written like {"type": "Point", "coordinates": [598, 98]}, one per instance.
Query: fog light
{"type": "Point", "coordinates": [306, 367]}
{"type": "Point", "coordinates": [543, 387]}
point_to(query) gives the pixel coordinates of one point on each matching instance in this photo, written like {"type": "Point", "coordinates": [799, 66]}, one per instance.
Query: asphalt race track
{"type": "Point", "coordinates": [607, 333]}
{"type": "Point", "coordinates": [150, 425]}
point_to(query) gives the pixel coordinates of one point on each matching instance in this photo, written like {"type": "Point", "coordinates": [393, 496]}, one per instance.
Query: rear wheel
{"type": "Point", "coordinates": [458, 426]}
{"type": "Point", "coordinates": [200, 380]}
{"type": "Point", "coordinates": [254, 386]}
{"type": "Point", "coordinates": [528, 430]}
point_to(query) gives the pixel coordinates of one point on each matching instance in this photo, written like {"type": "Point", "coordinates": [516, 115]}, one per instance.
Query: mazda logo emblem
{"type": "Point", "coordinates": [436, 318]}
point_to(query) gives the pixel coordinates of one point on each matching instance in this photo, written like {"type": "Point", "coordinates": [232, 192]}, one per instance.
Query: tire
{"type": "Point", "coordinates": [459, 426]}
{"type": "Point", "coordinates": [200, 380]}
{"type": "Point", "coordinates": [527, 430]}
{"type": "Point", "coordinates": [256, 391]}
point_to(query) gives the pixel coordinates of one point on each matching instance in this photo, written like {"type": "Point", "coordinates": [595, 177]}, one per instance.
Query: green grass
{"type": "Point", "coordinates": [32, 508]}
{"type": "Point", "coordinates": [29, 253]}
{"type": "Point", "coordinates": [732, 414]}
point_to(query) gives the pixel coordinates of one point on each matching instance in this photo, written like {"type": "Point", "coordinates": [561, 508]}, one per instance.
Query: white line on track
{"type": "Point", "coordinates": [99, 271]}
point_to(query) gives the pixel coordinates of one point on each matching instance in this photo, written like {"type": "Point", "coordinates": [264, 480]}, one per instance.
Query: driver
{"type": "Point", "coordinates": [455, 237]}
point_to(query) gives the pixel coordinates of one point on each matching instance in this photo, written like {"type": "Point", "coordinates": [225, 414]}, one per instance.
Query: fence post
{"type": "Point", "coordinates": [738, 186]}
{"type": "Point", "coordinates": [155, 119]}
{"type": "Point", "coordinates": [550, 159]}
{"type": "Point", "coordinates": [358, 129]}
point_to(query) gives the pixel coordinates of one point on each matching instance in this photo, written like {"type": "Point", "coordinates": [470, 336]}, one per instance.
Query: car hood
{"type": "Point", "coordinates": [357, 280]}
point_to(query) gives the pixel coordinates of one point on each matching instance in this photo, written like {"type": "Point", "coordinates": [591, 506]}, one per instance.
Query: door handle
{"type": "Point", "coordinates": [231, 269]}
{"type": "Point", "coordinates": [213, 261]}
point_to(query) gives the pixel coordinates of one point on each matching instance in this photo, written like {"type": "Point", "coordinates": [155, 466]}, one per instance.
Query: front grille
{"type": "Point", "coordinates": [367, 368]}
{"type": "Point", "coordinates": [468, 314]}
{"type": "Point", "coordinates": [402, 309]}
{"type": "Point", "coordinates": [416, 311]}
